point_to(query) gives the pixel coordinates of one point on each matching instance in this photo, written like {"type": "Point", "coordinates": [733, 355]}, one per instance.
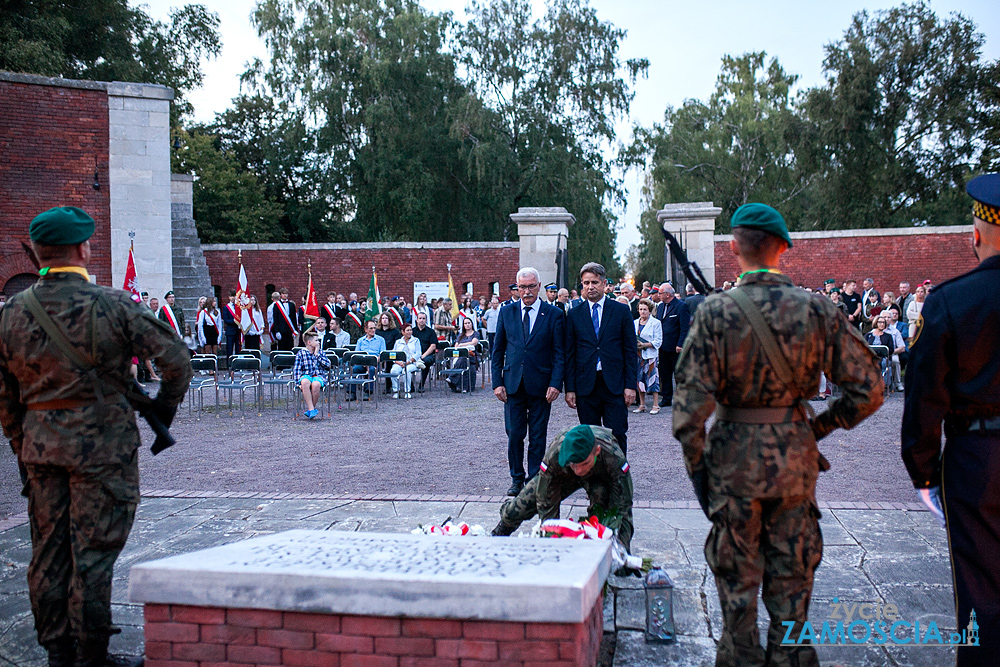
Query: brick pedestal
{"type": "Point", "coordinates": [186, 636]}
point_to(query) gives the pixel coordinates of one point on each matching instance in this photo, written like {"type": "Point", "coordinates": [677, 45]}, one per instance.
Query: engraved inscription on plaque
{"type": "Point", "coordinates": [445, 556]}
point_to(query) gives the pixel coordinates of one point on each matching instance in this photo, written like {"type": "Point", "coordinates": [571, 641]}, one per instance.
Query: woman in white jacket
{"type": "Point", "coordinates": [649, 331]}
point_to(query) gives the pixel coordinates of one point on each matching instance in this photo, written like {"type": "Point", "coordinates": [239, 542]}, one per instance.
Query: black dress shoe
{"type": "Point", "coordinates": [515, 488]}
{"type": "Point", "coordinates": [666, 403]}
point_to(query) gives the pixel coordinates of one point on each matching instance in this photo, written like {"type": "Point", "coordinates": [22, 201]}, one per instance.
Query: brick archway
{"type": "Point", "coordinates": [13, 265]}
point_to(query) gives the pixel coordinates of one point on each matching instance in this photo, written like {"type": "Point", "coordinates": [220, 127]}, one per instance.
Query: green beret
{"type": "Point", "coordinates": [829, 281]}
{"type": "Point", "coordinates": [762, 217]}
{"type": "Point", "coordinates": [576, 445]}
{"type": "Point", "coordinates": [62, 225]}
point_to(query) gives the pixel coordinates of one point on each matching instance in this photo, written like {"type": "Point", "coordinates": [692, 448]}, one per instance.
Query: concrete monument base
{"type": "Point", "coordinates": [317, 598]}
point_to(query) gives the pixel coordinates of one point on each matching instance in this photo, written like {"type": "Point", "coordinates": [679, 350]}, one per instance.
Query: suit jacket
{"type": "Point", "coordinates": [676, 320]}
{"type": "Point", "coordinates": [280, 325]}
{"type": "Point", "coordinates": [539, 361]}
{"type": "Point", "coordinates": [615, 346]}
{"type": "Point", "coordinates": [232, 326]}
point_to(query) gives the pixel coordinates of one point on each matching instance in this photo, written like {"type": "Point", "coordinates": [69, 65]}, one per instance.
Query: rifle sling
{"type": "Point", "coordinates": [765, 335]}
{"type": "Point", "coordinates": [66, 347]}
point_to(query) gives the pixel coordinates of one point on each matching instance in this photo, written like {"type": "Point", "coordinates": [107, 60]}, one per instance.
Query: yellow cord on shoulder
{"type": "Point", "coordinates": [79, 270]}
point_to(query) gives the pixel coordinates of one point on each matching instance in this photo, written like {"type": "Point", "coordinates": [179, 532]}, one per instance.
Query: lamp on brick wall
{"type": "Point", "coordinates": [97, 183]}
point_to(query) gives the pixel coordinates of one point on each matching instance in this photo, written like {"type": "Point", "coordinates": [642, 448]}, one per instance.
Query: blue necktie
{"type": "Point", "coordinates": [597, 320]}
{"type": "Point", "coordinates": [526, 322]}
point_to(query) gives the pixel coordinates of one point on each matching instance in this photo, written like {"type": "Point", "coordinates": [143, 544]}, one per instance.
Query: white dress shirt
{"type": "Point", "coordinates": [532, 313]}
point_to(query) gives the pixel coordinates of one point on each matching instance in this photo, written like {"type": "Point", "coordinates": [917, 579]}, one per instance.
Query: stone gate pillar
{"type": "Point", "coordinates": [543, 232]}
{"type": "Point", "coordinates": [693, 224]}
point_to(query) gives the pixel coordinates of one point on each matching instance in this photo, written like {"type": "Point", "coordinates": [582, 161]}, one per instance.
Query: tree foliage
{"type": "Point", "coordinates": [106, 40]}
{"type": "Point", "coordinates": [907, 114]}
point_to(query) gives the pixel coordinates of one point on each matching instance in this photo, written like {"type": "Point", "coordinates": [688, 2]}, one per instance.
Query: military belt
{"type": "Point", "coordinates": [64, 403]}
{"type": "Point", "coordinates": [783, 415]}
{"type": "Point", "coordinates": [59, 404]}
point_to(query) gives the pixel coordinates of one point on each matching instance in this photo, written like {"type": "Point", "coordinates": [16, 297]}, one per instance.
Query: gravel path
{"type": "Point", "coordinates": [445, 443]}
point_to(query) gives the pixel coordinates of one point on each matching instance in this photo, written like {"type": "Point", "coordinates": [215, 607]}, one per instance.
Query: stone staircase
{"type": "Point", "coordinates": [191, 277]}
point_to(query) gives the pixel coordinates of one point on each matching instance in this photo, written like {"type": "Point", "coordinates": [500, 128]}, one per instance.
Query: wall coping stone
{"type": "Point", "coordinates": [687, 211]}
{"type": "Point", "coordinates": [849, 233]}
{"type": "Point", "coordinates": [382, 574]}
{"type": "Point", "coordinates": [115, 88]}
{"type": "Point", "coordinates": [393, 245]}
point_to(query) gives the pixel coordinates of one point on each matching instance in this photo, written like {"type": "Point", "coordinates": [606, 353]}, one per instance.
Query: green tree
{"type": "Point", "coordinates": [553, 89]}
{"type": "Point", "coordinates": [379, 87]}
{"type": "Point", "coordinates": [738, 146]}
{"type": "Point", "coordinates": [229, 203]}
{"type": "Point", "coordinates": [106, 40]}
{"type": "Point", "coordinates": [903, 118]}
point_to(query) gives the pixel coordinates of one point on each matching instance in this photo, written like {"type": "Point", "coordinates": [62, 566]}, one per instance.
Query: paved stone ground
{"type": "Point", "coordinates": [889, 556]}
{"type": "Point", "coordinates": [446, 444]}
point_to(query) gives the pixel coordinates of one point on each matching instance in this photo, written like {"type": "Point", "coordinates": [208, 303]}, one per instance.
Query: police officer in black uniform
{"type": "Point", "coordinates": [954, 377]}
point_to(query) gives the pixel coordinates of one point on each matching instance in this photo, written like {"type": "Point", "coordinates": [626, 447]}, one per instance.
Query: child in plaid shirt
{"type": "Point", "coordinates": [308, 373]}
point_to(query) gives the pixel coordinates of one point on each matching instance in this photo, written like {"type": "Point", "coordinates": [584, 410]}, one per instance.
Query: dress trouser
{"type": "Point", "coordinates": [971, 480]}
{"type": "Point", "coordinates": [602, 408]}
{"type": "Point", "coordinates": [525, 415]}
{"type": "Point", "coordinates": [774, 541]}
{"type": "Point", "coordinates": [666, 363]}
{"type": "Point", "coordinates": [80, 519]}
{"type": "Point", "coordinates": [232, 342]}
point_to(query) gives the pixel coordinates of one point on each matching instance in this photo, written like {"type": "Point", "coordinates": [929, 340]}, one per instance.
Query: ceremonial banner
{"type": "Point", "coordinates": [453, 297]}
{"type": "Point", "coordinates": [242, 315]}
{"type": "Point", "coordinates": [312, 309]}
{"type": "Point", "coordinates": [131, 280]}
{"type": "Point", "coordinates": [374, 299]}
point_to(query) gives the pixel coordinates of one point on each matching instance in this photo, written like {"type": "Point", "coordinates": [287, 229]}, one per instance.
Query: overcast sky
{"type": "Point", "coordinates": [684, 42]}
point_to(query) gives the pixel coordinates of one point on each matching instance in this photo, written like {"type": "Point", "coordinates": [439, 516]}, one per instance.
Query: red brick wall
{"type": "Point", "coordinates": [348, 271]}
{"type": "Point", "coordinates": [50, 138]}
{"type": "Point", "coordinates": [886, 259]}
{"type": "Point", "coordinates": [184, 636]}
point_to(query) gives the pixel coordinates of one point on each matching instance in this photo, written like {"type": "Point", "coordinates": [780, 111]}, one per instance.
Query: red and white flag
{"type": "Point", "coordinates": [131, 280]}
{"type": "Point", "coordinates": [242, 315]}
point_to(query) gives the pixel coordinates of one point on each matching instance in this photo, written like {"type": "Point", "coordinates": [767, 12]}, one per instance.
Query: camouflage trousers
{"type": "Point", "coordinates": [522, 507]}
{"type": "Point", "coordinates": [774, 541]}
{"type": "Point", "coordinates": [80, 519]}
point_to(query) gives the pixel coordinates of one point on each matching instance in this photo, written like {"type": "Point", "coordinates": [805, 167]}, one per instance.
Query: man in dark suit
{"type": "Point", "coordinates": [602, 362]}
{"type": "Point", "coordinates": [285, 328]}
{"type": "Point", "coordinates": [675, 317]}
{"type": "Point", "coordinates": [527, 358]}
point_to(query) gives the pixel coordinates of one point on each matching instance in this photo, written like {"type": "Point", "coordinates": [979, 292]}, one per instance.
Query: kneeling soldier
{"type": "Point", "coordinates": [584, 457]}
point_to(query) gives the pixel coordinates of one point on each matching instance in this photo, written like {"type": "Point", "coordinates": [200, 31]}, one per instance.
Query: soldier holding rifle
{"type": "Point", "coordinates": [65, 403]}
{"type": "Point", "coordinates": [755, 474]}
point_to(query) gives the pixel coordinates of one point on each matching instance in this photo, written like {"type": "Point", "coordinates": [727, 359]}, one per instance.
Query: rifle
{"type": "Point", "coordinates": [691, 270]}
{"type": "Point", "coordinates": [150, 409]}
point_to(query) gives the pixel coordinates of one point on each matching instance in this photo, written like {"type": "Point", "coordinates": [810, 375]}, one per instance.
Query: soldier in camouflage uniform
{"type": "Point", "coordinates": [74, 434]}
{"type": "Point", "coordinates": [586, 457]}
{"type": "Point", "coordinates": [755, 477]}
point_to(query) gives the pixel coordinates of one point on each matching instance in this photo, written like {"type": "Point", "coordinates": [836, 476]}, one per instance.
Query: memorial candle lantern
{"type": "Point", "coordinates": [659, 607]}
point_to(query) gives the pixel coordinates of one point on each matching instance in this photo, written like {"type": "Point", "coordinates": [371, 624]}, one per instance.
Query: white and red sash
{"type": "Point", "coordinates": [396, 315]}
{"type": "Point", "coordinates": [232, 311]}
{"type": "Point", "coordinates": [328, 309]}
{"type": "Point", "coordinates": [211, 320]}
{"type": "Point", "coordinates": [257, 322]}
{"type": "Point", "coordinates": [284, 314]}
{"type": "Point", "coordinates": [356, 319]}
{"type": "Point", "coordinates": [171, 320]}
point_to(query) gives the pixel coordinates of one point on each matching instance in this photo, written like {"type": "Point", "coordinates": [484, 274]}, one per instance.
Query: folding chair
{"type": "Point", "coordinates": [206, 376]}
{"type": "Point", "coordinates": [333, 377]}
{"type": "Point", "coordinates": [484, 362]}
{"type": "Point", "coordinates": [386, 360]}
{"type": "Point", "coordinates": [244, 373]}
{"type": "Point", "coordinates": [450, 357]}
{"type": "Point", "coordinates": [281, 373]}
{"type": "Point", "coordinates": [368, 363]}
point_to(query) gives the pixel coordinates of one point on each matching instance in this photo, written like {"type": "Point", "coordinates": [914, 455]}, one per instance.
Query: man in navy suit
{"type": "Point", "coordinates": [675, 317]}
{"type": "Point", "coordinates": [527, 358]}
{"type": "Point", "coordinates": [602, 363]}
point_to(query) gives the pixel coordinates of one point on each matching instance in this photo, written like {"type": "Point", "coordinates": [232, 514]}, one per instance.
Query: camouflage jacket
{"type": "Point", "coordinates": [33, 370]}
{"type": "Point", "coordinates": [611, 470]}
{"type": "Point", "coordinates": [722, 361]}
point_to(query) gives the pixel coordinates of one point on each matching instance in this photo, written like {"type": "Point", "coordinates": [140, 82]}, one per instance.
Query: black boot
{"type": "Point", "coordinates": [62, 653]}
{"type": "Point", "coordinates": [93, 653]}
{"type": "Point", "coordinates": [502, 531]}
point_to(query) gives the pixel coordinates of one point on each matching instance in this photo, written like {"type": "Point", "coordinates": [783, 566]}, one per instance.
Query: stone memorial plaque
{"type": "Point", "coordinates": [386, 575]}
